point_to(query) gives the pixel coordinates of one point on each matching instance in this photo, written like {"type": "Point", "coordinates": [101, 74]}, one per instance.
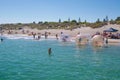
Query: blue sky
{"type": "Point", "coordinates": [26, 11]}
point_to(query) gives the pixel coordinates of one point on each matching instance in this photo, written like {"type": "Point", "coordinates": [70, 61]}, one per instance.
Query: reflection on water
{"type": "Point", "coordinates": [97, 49]}
{"type": "Point", "coordinates": [80, 46]}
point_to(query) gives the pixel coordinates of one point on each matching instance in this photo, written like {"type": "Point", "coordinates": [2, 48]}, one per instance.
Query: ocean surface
{"type": "Point", "coordinates": [27, 59]}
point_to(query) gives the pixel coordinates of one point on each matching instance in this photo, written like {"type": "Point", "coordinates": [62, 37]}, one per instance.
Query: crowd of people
{"type": "Point", "coordinates": [111, 35]}
{"type": "Point", "coordinates": [62, 36]}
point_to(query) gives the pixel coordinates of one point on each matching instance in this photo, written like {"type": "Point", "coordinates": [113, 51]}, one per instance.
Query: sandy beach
{"type": "Point", "coordinates": [88, 32]}
{"type": "Point", "coordinates": [82, 30]}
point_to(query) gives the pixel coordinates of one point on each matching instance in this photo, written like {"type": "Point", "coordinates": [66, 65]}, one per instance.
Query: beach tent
{"type": "Point", "coordinates": [111, 30]}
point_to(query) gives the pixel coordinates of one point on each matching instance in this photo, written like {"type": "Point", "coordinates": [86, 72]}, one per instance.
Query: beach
{"type": "Point", "coordinates": [25, 57]}
{"type": "Point", "coordinates": [82, 30]}
{"type": "Point", "coordinates": [85, 31]}
{"type": "Point", "coordinates": [59, 40]}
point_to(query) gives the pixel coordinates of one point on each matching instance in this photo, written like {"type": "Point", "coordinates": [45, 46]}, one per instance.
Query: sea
{"type": "Point", "coordinates": [28, 59]}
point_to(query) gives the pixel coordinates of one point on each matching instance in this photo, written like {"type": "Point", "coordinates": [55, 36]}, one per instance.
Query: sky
{"type": "Point", "coordinates": [27, 11]}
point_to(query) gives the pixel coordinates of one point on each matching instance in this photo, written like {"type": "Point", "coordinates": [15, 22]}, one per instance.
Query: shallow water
{"type": "Point", "coordinates": [29, 60]}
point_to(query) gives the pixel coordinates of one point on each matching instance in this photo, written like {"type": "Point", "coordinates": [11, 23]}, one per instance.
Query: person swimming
{"type": "Point", "coordinates": [1, 39]}
{"type": "Point", "coordinates": [49, 51]}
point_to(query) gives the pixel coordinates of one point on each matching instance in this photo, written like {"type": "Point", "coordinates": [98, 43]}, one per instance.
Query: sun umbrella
{"type": "Point", "coordinates": [111, 30]}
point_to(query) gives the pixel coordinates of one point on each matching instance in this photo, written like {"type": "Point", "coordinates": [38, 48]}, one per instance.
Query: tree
{"type": "Point", "coordinates": [65, 22]}
{"type": "Point", "coordinates": [112, 21]}
{"type": "Point", "coordinates": [107, 19]}
{"type": "Point", "coordinates": [85, 22]}
{"type": "Point", "coordinates": [98, 20]}
{"type": "Point", "coordinates": [45, 22]}
{"type": "Point", "coordinates": [40, 22]}
{"type": "Point", "coordinates": [34, 22]}
{"type": "Point", "coordinates": [19, 23]}
{"type": "Point", "coordinates": [59, 20]}
{"type": "Point", "coordinates": [79, 20]}
{"type": "Point", "coordinates": [104, 20]}
{"type": "Point", "coordinates": [68, 19]}
{"type": "Point", "coordinates": [117, 19]}
{"type": "Point", "coordinates": [74, 21]}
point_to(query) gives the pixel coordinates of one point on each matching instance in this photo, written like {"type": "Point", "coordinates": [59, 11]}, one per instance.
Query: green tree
{"type": "Point", "coordinates": [104, 20]}
{"type": "Point", "coordinates": [98, 20]}
{"type": "Point", "coordinates": [79, 20]}
{"type": "Point", "coordinates": [40, 22]}
{"type": "Point", "coordinates": [85, 21]}
{"type": "Point", "coordinates": [117, 19]}
{"type": "Point", "coordinates": [65, 22]}
{"type": "Point", "coordinates": [19, 23]}
{"type": "Point", "coordinates": [59, 20]}
{"type": "Point", "coordinates": [45, 22]}
{"type": "Point", "coordinates": [112, 21]}
{"type": "Point", "coordinates": [74, 21]}
{"type": "Point", "coordinates": [34, 22]}
{"type": "Point", "coordinates": [107, 19]}
{"type": "Point", "coordinates": [68, 19]}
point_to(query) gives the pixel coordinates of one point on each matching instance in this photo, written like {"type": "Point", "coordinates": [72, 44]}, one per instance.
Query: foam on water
{"type": "Point", "coordinates": [18, 36]}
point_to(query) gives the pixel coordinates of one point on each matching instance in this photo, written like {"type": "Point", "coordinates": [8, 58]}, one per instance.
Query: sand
{"type": "Point", "coordinates": [73, 33]}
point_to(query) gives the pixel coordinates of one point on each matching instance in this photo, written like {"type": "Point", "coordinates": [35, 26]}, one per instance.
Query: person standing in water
{"type": "Point", "coordinates": [56, 36]}
{"type": "Point", "coordinates": [79, 37]}
{"type": "Point", "coordinates": [46, 35]}
{"type": "Point", "coordinates": [34, 34]}
{"type": "Point", "coordinates": [106, 40]}
{"type": "Point", "coordinates": [39, 36]}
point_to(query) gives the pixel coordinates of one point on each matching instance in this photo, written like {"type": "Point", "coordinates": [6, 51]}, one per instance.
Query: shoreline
{"type": "Point", "coordinates": [85, 31]}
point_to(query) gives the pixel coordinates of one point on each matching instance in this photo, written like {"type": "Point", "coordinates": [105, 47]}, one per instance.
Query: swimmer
{"type": "Point", "coordinates": [49, 51]}
{"type": "Point", "coordinates": [1, 39]}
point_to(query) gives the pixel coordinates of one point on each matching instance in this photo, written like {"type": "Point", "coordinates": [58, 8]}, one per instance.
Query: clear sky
{"type": "Point", "coordinates": [26, 11]}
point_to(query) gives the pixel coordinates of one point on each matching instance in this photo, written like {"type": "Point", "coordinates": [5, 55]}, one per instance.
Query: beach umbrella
{"type": "Point", "coordinates": [111, 30]}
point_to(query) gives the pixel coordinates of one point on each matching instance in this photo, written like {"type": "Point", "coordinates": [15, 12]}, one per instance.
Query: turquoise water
{"type": "Point", "coordinates": [29, 60]}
